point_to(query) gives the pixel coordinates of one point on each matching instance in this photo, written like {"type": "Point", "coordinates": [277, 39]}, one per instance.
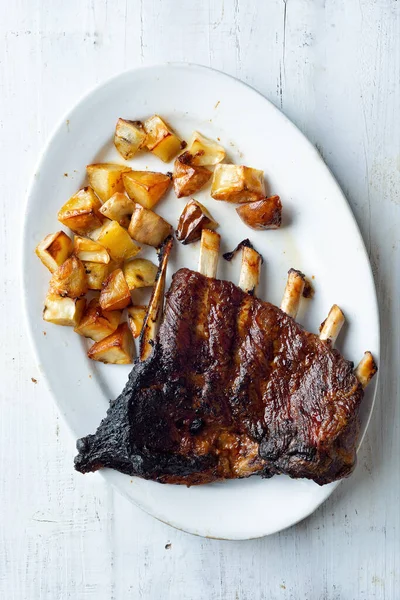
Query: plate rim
{"type": "Point", "coordinates": [59, 125]}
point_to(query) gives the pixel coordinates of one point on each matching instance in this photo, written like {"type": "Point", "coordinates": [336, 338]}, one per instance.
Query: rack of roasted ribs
{"type": "Point", "coordinates": [228, 386]}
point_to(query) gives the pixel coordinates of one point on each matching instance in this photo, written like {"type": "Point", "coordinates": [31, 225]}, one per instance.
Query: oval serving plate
{"type": "Point", "coordinates": [319, 236]}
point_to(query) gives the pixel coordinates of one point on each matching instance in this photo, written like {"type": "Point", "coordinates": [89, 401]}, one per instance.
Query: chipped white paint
{"type": "Point", "coordinates": [333, 66]}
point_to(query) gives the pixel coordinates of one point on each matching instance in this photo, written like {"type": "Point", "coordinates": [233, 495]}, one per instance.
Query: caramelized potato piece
{"type": "Point", "coordinates": [147, 227]}
{"type": "Point", "coordinates": [115, 294]}
{"type": "Point", "coordinates": [146, 187]}
{"type": "Point", "coordinates": [118, 208]}
{"type": "Point", "coordinates": [129, 137]}
{"type": "Point", "coordinates": [136, 316]}
{"type": "Point", "coordinates": [194, 218]}
{"type": "Point", "coordinates": [70, 279]}
{"type": "Point", "coordinates": [140, 272]}
{"type": "Point", "coordinates": [97, 324]}
{"type": "Point", "coordinates": [205, 151]}
{"type": "Point", "coordinates": [236, 183]}
{"type": "Point", "coordinates": [262, 214]}
{"type": "Point", "coordinates": [114, 264]}
{"type": "Point", "coordinates": [161, 140]}
{"type": "Point", "coordinates": [54, 249]}
{"type": "Point", "coordinates": [117, 241]}
{"type": "Point", "coordinates": [89, 250]}
{"type": "Point", "coordinates": [96, 273]}
{"type": "Point", "coordinates": [81, 212]}
{"type": "Point", "coordinates": [188, 178]}
{"type": "Point", "coordinates": [63, 311]}
{"type": "Point", "coordinates": [115, 349]}
{"type": "Point", "coordinates": [106, 179]}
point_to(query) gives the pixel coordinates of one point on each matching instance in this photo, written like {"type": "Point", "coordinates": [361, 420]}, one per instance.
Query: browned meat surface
{"type": "Point", "coordinates": [234, 387]}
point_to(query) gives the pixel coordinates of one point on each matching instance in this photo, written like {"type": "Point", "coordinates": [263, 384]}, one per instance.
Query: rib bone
{"type": "Point", "coordinates": [250, 270]}
{"type": "Point", "coordinates": [209, 252]}
{"type": "Point", "coordinates": [366, 369]}
{"type": "Point", "coordinates": [293, 292]}
{"type": "Point", "coordinates": [156, 305]}
{"type": "Point", "coordinates": [332, 325]}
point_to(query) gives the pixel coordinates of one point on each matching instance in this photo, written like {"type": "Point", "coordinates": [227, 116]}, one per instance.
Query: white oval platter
{"type": "Point", "coordinates": [319, 236]}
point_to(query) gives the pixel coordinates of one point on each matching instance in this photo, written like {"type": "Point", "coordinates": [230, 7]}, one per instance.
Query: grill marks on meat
{"type": "Point", "coordinates": [234, 387]}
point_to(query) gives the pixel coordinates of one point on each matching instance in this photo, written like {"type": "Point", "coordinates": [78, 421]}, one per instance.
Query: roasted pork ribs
{"type": "Point", "coordinates": [231, 387]}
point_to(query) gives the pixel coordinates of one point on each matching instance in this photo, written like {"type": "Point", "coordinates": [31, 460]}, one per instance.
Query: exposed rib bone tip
{"type": "Point", "coordinates": [293, 292]}
{"type": "Point", "coordinates": [250, 270]}
{"type": "Point", "coordinates": [209, 252]}
{"type": "Point", "coordinates": [156, 306]}
{"type": "Point", "coordinates": [366, 369]}
{"type": "Point", "coordinates": [332, 325]}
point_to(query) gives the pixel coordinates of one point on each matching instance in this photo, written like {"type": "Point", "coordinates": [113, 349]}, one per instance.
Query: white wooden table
{"type": "Point", "coordinates": [332, 66]}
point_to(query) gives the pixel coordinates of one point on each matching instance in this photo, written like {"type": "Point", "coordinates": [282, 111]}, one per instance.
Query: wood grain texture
{"type": "Point", "coordinates": [333, 67]}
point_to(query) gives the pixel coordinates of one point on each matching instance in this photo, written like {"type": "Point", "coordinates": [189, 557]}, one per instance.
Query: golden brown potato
{"type": "Point", "coordinates": [194, 218]}
{"type": "Point", "coordinates": [161, 140]}
{"type": "Point", "coordinates": [146, 187]}
{"type": "Point", "coordinates": [140, 272]}
{"type": "Point", "coordinates": [106, 179]}
{"type": "Point", "coordinates": [97, 324]}
{"type": "Point", "coordinates": [96, 273]}
{"type": "Point", "coordinates": [81, 212]}
{"type": "Point", "coordinates": [89, 250]}
{"type": "Point", "coordinates": [116, 240]}
{"type": "Point", "coordinates": [115, 294]}
{"type": "Point", "coordinates": [54, 249]}
{"type": "Point", "coordinates": [188, 179]}
{"type": "Point", "coordinates": [129, 137]}
{"type": "Point", "coordinates": [136, 316]}
{"type": "Point", "coordinates": [205, 151]}
{"type": "Point", "coordinates": [146, 227]}
{"type": "Point", "coordinates": [115, 349]}
{"type": "Point", "coordinates": [262, 214]}
{"type": "Point", "coordinates": [114, 264]}
{"type": "Point", "coordinates": [70, 279]}
{"type": "Point", "coordinates": [236, 183]}
{"type": "Point", "coordinates": [118, 208]}
{"type": "Point", "coordinates": [63, 311]}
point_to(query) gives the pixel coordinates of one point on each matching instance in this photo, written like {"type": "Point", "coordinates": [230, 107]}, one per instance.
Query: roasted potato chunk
{"type": "Point", "coordinates": [96, 273]}
{"type": "Point", "coordinates": [205, 151]}
{"type": "Point", "coordinates": [54, 249]}
{"type": "Point", "coordinates": [89, 250]}
{"type": "Point", "coordinates": [146, 187]}
{"type": "Point", "coordinates": [129, 137]}
{"type": "Point", "coordinates": [115, 349]}
{"type": "Point", "coordinates": [236, 183]}
{"type": "Point", "coordinates": [70, 279]}
{"type": "Point", "coordinates": [161, 140]}
{"type": "Point", "coordinates": [97, 324]}
{"type": "Point", "coordinates": [136, 316]}
{"type": "Point", "coordinates": [117, 241]}
{"type": "Point", "coordinates": [262, 214]}
{"type": "Point", "coordinates": [118, 208]}
{"type": "Point", "coordinates": [63, 311]}
{"type": "Point", "coordinates": [115, 294]}
{"type": "Point", "coordinates": [81, 212]}
{"type": "Point", "coordinates": [146, 227]}
{"type": "Point", "coordinates": [194, 218]}
{"type": "Point", "coordinates": [188, 178]}
{"type": "Point", "coordinates": [140, 272]}
{"type": "Point", "coordinates": [106, 179]}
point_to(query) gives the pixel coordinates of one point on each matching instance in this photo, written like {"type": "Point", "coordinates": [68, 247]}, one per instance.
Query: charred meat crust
{"type": "Point", "coordinates": [234, 387]}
